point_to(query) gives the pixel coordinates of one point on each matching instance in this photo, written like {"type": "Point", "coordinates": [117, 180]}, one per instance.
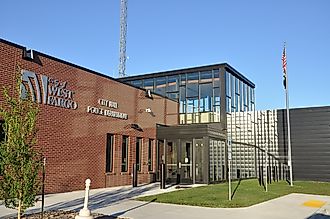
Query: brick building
{"type": "Point", "coordinates": [90, 125]}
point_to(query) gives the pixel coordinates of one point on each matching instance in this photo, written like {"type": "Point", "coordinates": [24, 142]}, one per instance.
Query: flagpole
{"type": "Point", "coordinates": [288, 120]}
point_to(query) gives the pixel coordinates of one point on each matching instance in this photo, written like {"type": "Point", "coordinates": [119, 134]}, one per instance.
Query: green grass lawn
{"type": "Point", "coordinates": [247, 193]}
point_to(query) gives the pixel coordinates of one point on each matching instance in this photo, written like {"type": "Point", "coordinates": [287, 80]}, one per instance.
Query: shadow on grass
{"type": "Point", "coordinates": [234, 192]}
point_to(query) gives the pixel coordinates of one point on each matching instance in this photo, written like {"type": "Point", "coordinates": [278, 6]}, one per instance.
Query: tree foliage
{"type": "Point", "coordinates": [20, 161]}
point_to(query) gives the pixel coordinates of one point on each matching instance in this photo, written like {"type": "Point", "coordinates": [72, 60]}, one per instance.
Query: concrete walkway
{"type": "Point", "coordinates": [118, 202]}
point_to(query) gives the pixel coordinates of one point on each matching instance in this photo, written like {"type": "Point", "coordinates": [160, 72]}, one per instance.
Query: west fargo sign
{"type": "Point", "coordinates": [51, 92]}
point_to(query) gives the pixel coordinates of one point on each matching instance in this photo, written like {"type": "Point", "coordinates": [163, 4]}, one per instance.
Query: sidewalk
{"type": "Point", "coordinates": [118, 202]}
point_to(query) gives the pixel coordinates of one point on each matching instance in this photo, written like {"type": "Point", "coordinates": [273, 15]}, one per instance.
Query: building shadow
{"type": "Point", "coordinates": [99, 200]}
{"type": "Point", "coordinates": [319, 216]}
{"type": "Point", "coordinates": [118, 214]}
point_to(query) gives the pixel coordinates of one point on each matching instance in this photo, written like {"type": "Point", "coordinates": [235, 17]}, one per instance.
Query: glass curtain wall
{"type": "Point", "coordinates": [198, 94]}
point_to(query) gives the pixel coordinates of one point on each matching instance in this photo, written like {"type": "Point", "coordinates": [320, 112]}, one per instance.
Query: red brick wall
{"type": "Point", "coordinates": [74, 141]}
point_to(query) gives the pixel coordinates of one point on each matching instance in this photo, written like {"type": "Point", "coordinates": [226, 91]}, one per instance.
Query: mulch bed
{"type": "Point", "coordinates": [64, 215]}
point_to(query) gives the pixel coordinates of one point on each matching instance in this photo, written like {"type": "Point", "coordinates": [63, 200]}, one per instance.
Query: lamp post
{"type": "Point", "coordinates": [229, 168]}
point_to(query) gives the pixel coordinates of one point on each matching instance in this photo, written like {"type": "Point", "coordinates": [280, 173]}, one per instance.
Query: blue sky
{"type": "Point", "coordinates": [172, 34]}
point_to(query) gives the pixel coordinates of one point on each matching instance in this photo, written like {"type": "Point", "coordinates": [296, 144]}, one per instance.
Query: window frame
{"type": "Point", "coordinates": [124, 163]}
{"type": "Point", "coordinates": [150, 154]}
{"type": "Point", "coordinates": [109, 152]}
{"type": "Point", "coordinates": [138, 152]}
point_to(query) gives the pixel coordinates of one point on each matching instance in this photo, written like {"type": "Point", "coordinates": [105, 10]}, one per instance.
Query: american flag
{"type": "Point", "coordinates": [284, 60]}
{"type": "Point", "coordinates": [284, 67]}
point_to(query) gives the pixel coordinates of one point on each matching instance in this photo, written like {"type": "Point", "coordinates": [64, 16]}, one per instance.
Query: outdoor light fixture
{"type": "Point", "coordinates": [148, 94]}
{"type": "Point", "coordinates": [28, 54]}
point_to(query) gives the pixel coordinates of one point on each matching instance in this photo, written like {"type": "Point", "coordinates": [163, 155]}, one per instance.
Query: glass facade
{"type": "Point", "coordinates": [198, 93]}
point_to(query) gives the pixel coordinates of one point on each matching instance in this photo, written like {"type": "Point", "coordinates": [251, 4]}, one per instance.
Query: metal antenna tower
{"type": "Point", "coordinates": [123, 33]}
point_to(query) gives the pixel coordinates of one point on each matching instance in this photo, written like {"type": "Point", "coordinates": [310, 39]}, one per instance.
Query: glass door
{"type": "Point", "coordinates": [199, 164]}
{"type": "Point", "coordinates": [172, 174]}
{"type": "Point", "coordinates": [185, 162]}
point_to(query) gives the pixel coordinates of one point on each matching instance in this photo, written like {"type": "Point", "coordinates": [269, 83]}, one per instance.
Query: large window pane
{"type": "Point", "coordinates": [173, 96]}
{"type": "Point", "coordinates": [244, 94]}
{"type": "Point", "coordinates": [228, 104]}
{"type": "Point", "coordinates": [228, 85]}
{"type": "Point", "coordinates": [232, 82]}
{"type": "Point", "coordinates": [236, 85]}
{"type": "Point", "coordinates": [192, 85]}
{"type": "Point", "coordinates": [237, 102]}
{"type": "Point", "coordinates": [192, 77]}
{"type": "Point", "coordinates": [192, 89]}
{"type": "Point", "coordinates": [192, 105]}
{"type": "Point", "coordinates": [206, 97]}
{"type": "Point", "coordinates": [216, 76]}
{"type": "Point", "coordinates": [182, 79]}
{"type": "Point", "coordinates": [137, 83]}
{"type": "Point", "coordinates": [109, 153]}
{"type": "Point", "coordinates": [182, 99]}
{"type": "Point", "coordinates": [206, 76]}
{"type": "Point", "coordinates": [216, 96]}
{"type": "Point", "coordinates": [160, 85]}
{"type": "Point", "coordinates": [172, 83]}
{"type": "Point", "coordinates": [216, 117]}
{"type": "Point", "coordinates": [124, 154]}
{"type": "Point", "coordinates": [149, 84]}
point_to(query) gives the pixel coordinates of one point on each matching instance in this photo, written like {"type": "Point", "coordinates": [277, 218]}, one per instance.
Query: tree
{"type": "Point", "coordinates": [20, 160]}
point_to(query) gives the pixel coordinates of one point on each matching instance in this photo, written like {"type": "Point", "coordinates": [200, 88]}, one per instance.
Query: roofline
{"type": "Point", "coordinates": [189, 70]}
{"type": "Point", "coordinates": [77, 66]}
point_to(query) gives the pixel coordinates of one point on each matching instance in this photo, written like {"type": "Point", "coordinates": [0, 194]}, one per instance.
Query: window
{"type": "Point", "coordinates": [124, 154]}
{"type": "Point", "coordinates": [216, 96]}
{"type": "Point", "coordinates": [173, 96]}
{"type": "Point", "coordinates": [172, 83]}
{"type": "Point", "coordinates": [183, 79]}
{"type": "Point", "coordinates": [137, 83]}
{"type": "Point", "coordinates": [216, 82]}
{"type": "Point", "coordinates": [149, 84]}
{"type": "Point", "coordinates": [205, 97]}
{"type": "Point", "coordinates": [192, 85]}
{"type": "Point", "coordinates": [150, 146]}
{"type": "Point", "coordinates": [206, 76]}
{"type": "Point", "coordinates": [228, 90]}
{"type": "Point", "coordinates": [192, 105]}
{"type": "Point", "coordinates": [182, 100]}
{"type": "Point", "coordinates": [160, 85]}
{"type": "Point", "coordinates": [228, 104]}
{"type": "Point", "coordinates": [138, 153]}
{"type": "Point", "coordinates": [109, 153]}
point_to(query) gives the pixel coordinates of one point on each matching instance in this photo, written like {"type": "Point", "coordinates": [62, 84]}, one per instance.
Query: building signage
{"type": "Point", "coordinates": [107, 112]}
{"type": "Point", "coordinates": [51, 92]}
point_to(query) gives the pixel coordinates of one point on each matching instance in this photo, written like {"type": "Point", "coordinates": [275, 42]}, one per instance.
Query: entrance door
{"type": "Point", "coordinates": [185, 162]}
{"type": "Point", "coordinates": [160, 157]}
{"type": "Point", "coordinates": [199, 164]}
{"type": "Point", "coordinates": [172, 170]}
